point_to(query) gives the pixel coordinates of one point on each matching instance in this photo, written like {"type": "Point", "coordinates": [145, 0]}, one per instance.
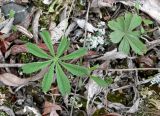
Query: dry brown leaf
{"type": "Point", "coordinates": [58, 31]}
{"type": "Point", "coordinates": [135, 106]}
{"type": "Point", "coordinates": [112, 55]}
{"type": "Point", "coordinates": [16, 49]}
{"type": "Point", "coordinates": [102, 3]}
{"type": "Point", "coordinates": [89, 27]}
{"type": "Point", "coordinates": [8, 26]}
{"type": "Point", "coordinates": [51, 108]}
{"type": "Point", "coordinates": [35, 25]}
{"type": "Point", "coordinates": [24, 31]}
{"type": "Point", "coordinates": [112, 114]}
{"type": "Point", "coordinates": [13, 80]}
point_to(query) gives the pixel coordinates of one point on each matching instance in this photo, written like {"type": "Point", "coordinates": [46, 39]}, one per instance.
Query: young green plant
{"type": "Point", "coordinates": [125, 33]}
{"type": "Point", "coordinates": [56, 63]}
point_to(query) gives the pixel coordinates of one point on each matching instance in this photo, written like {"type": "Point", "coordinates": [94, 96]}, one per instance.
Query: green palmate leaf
{"type": "Point", "coordinates": [137, 45]}
{"type": "Point", "coordinates": [124, 46]}
{"type": "Point", "coordinates": [48, 79]}
{"type": "Point", "coordinates": [114, 25]}
{"type": "Point", "coordinates": [75, 69]}
{"type": "Point", "coordinates": [64, 44]}
{"type": "Point", "coordinates": [121, 22]}
{"type": "Point", "coordinates": [116, 36]}
{"type": "Point", "coordinates": [125, 35]}
{"type": "Point", "coordinates": [99, 81]}
{"type": "Point", "coordinates": [79, 53]}
{"type": "Point", "coordinates": [47, 39]}
{"type": "Point", "coordinates": [35, 66]}
{"type": "Point", "coordinates": [62, 80]}
{"type": "Point", "coordinates": [33, 49]}
{"type": "Point", "coordinates": [132, 21]}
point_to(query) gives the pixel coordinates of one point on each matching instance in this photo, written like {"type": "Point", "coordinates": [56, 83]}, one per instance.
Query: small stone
{"type": "Point", "coordinates": [20, 11]}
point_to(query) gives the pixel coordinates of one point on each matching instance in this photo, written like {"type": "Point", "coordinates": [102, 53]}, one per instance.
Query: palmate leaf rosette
{"type": "Point", "coordinates": [124, 33]}
{"type": "Point", "coordinates": [56, 63]}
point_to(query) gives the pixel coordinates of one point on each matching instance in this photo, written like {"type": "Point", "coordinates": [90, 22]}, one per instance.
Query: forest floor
{"type": "Point", "coordinates": [79, 58]}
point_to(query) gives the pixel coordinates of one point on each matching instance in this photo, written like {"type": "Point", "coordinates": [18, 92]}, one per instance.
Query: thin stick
{"type": "Point", "coordinates": [10, 65]}
{"type": "Point", "coordinates": [132, 69]}
{"type": "Point", "coordinates": [131, 85]}
{"type": "Point", "coordinates": [85, 35]}
{"type": "Point", "coordinates": [70, 10]}
{"type": "Point", "coordinates": [118, 70]}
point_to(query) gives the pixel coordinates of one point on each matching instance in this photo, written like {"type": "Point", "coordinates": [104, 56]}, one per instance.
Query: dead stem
{"type": "Point", "coordinates": [85, 34]}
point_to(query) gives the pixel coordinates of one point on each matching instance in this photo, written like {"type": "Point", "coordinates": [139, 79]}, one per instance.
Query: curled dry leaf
{"type": "Point", "coordinates": [112, 55]}
{"type": "Point", "coordinates": [102, 3]}
{"type": "Point", "coordinates": [89, 27]}
{"type": "Point", "coordinates": [135, 106]}
{"type": "Point", "coordinates": [112, 114]}
{"type": "Point", "coordinates": [3, 23]}
{"type": "Point", "coordinates": [24, 31]}
{"type": "Point", "coordinates": [117, 106]}
{"type": "Point", "coordinates": [58, 31]}
{"type": "Point", "coordinates": [51, 108]}
{"type": "Point", "coordinates": [13, 80]}
{"type": "Point", "coordinates": [32, 109]}
{"type": "Point", "coordinates": [4, 45]}
{"type": "Point", "coordinates": [92, 89]}
{"type": "Point", "coordinates": [16, 49]}
{"type": "Point", "coordinates": [47, 2]}
{"type": "Point", "coordinates": [35, 25]}
{"type": "Point", "coordinates": [8, 26]}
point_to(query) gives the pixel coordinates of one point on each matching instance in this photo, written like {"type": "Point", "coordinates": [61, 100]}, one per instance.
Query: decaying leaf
{"type": "Point", "coordinates": [13, 80]}
{"type": "Point", "coordinates": [112, 55]}
{"type": "Point", "coordinates": [35, 25]}
{"type": "Point", "coordinates": [16, 49]}
{"type": "Point", "coordinates": [156, 103]}
{"type": "Point", "coordinates": [51, 108]}
{"type": "Point", "coordinates": [102, 3]}
{"type": "Point", "coordinates": [8, 26]}
{"type": "Point", "coordinates": [47, 2]}
{"type": "Point", "coordinates": [135, 106]}
{"type": "Point", "coordinates": [32, 109]}
{"type": "Point", "coordinates": [58, 31]}
{"type": "Point", "coordinates": [24, 31]}
{"type": "Point", "coordinates": [89, 27]}
{"type": "Point", "coordinates": [117, 106]}
{"type": "Point", "coordinates": [92, 89]}
{"type": "Point", "coordinates": [4, 45]}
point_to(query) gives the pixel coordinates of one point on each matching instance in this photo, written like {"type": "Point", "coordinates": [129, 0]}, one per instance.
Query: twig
{"type": "Point", "coordinates": [132, 69]}
{"type": "Point", "coordinates": [10, 65]}
{"type": "Point", "coordinates": [131, 85]}
{"type": "Point", "coordinates": [71, 8]}
{"type": "Point", "coordinates": [74, 98]}
{"type": "Point", "coordinates": [85, 34]}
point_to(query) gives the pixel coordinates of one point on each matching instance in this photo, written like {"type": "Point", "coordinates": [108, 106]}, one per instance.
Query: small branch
{"type": "Point", "coordinates": [85, 35]}
{"type": "Point", "coordinates": [131, 85]}
{"type": "Point", "coordinates": [132, 69]}
{"type": "Point", "coordinates": [71, 8]}
{"type": "Point", "coordinates": [10, 65]}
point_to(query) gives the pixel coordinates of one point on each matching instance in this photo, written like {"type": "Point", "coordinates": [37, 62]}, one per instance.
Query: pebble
{"type": "Point", "coordinates": [21, 12]}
